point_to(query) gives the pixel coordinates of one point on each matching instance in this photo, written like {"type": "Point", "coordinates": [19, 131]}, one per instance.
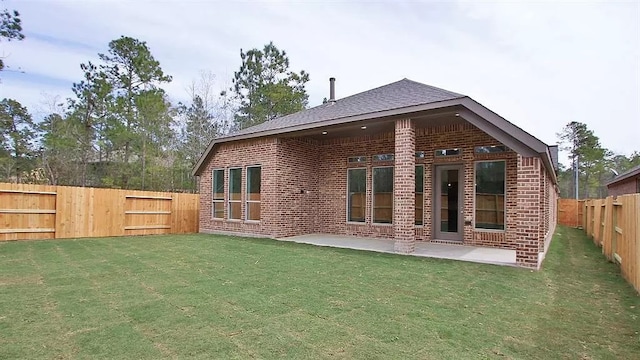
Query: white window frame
{"type": "Point", "coordinates": [246, 198]}
{"type": "Point", "coordinates": [364, 219]}
{"type": "Point", "coordinates": [229, 202]}
{"type": "Point", "coordinates": [504, 210]}
{"type": "Point", "coordinates": [373, 194]}
{"type": "Point", "coordinates": [213, 189]}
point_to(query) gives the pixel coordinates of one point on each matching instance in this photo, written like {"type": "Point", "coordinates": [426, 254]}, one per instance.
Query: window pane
{"type": "Point", "coordinates": [383, 157]}
{"type": "Point", "coordinates": [358, 159]}
{"type": "Point", "coordinates": [490, 149]}
{"type": "Point", "coordinates": [253, 193]}
{"type": "Point", "coordinates": [383, 195]}
{"type": "Point", "coordinates": [449, 202]}
{"type": "Point", "coordinates": [419, 195]}
{"type": "Point", "coordinates": [235, 184]}
{"type": "Point", "coordinates": [447, 152]}
{"type": "Point", "coordinates": [235, 194]}
{"type": "Point", "coordinates": [235, 210]}
{"type": "Point", "coordinates": [218, 184]}
{"type": "Point", "coordinates": [253, 183]}
{"type": "Point", "coordinates": [419, 208]}
{"type": "Point", "coordinates": [357, 185]}
{"type": "Point", "coordinates": [490, 192]}
{"type": "Point", "coordinates": [419, 179]}
{"type": "Point", "coordinates": [218, 210]}
{"type": "Point", "coordinates": [253, 211]}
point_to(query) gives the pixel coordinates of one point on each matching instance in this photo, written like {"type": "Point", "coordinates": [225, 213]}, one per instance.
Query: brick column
{"type": "Point", "coordinates": [529, 215]}
{"type": "Point", "coordinates": [404, 187]}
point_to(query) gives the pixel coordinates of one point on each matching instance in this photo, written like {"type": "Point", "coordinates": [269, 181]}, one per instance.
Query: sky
{"type": "Point", "coordinates": [538, 64]}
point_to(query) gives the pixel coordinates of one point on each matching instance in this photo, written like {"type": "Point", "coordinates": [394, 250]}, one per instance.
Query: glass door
{"type": "Point", "coordinates": [448, 195]}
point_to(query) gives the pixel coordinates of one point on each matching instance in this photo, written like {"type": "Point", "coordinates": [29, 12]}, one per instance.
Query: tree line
{"type": "Point", "coordinates": [120, 129]}
{"type": "Point", "coordinates": [592, 164]}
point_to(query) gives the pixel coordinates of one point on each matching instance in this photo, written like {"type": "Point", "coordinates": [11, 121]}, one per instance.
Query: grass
{"type": "Point", "coordinates": [205, 296]}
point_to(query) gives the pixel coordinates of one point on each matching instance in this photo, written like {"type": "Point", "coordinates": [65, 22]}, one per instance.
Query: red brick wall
{"type": "Point", "coordinates": [332, 183]}
{"type": "Point", "coordinates": [304, 187]}
{"type": "Point", "coordinates": [628, 186]}
{"type": "Point", "coordinates": [297, 185]}
{"type": "Point", "coordinates": [240, 154]}
{"type": "Point", "coordinates": [466, 137]}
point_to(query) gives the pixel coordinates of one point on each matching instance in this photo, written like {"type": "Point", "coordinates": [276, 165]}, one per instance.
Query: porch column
{"type": "Point", "coordinates": [404, 183]}
{"type": "Point", "coordinates": [529, 216]}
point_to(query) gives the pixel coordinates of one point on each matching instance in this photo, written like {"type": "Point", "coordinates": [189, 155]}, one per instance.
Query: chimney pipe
{"type": "Point", "coordinates": [332, 89]}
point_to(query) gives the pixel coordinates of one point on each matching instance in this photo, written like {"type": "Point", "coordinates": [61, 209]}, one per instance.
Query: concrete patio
{"type": "Point", "coordinates": [433, 250]}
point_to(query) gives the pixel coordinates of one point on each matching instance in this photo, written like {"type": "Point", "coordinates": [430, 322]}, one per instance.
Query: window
{"type": "Point", "coordinates": [356, 200]}
{"type": "Point", "coordinates": [235, 194]}
{"type": "Point", "coordinates": [383, 157]}
{"type": "Point", "coordinates": [419, 194]}
{"type": "Point", "coordinates": [218, 193]}
{"type": "Point", "coordinates": [420, 154]}
{"type": "Point", "coordinates": [638, 185]}
{"type": "Point", "coordinates": [253, 193]}
{"type": "Point", "coordinates": [490, 149]}
{"type": "Point", "coordinates": [447, 152]}
{"type": "Point", "coordinates": [357, 159]}
{"type": "Point", "coordinates": [489, 195]}
{"type": "Point", "coordinates": [383, 195]}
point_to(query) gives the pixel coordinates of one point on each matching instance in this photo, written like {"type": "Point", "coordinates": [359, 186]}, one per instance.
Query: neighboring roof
{"type": "Point", "coordinates": [625, 175]}
{"type": "Point", "coordinates": [398, 98]}
{"type": "Point", "coordinates": [396, 95]}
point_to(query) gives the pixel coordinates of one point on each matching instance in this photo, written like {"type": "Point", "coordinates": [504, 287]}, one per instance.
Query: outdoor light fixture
{"type": "Point", "coordinates": [363, 127]}
{"type": "Point", "coordinates": [324, 133]}
{"type": "Point", "coordinates": [457, 114]}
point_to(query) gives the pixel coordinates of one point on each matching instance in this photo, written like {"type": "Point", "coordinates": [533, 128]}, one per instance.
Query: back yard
{"type": "Point", "coordinates": [209, 296]}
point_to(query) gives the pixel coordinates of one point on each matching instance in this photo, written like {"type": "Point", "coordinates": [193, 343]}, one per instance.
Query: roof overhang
{"type": "Point", "coordinates": [625, 176]}
{"type": "Point", "coordinates": [476, 114]}
{"type": "Point", "coordinates": [320, 124]}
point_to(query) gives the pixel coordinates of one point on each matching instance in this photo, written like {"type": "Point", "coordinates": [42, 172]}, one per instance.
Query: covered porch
{"type": "Point", "coordinates": [412, 180]}
{"type": "Point", "coordinates": [475, 254]}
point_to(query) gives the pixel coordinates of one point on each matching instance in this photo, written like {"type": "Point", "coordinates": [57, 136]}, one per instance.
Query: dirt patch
{"type": "Point", "coordinates": [21, 280]}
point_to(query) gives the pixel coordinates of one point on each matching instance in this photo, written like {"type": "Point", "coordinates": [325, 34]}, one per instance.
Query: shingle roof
{"type": "Point", "coordinates": [625, 175]}
{"type": "Point", "coordinates": [396, 95]}
{"type": "Point", "coordinates": [398, 98]}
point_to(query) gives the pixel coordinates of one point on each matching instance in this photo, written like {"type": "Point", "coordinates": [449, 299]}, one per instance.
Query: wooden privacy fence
{"type": "Point", "coordinates": [570, 212]}
{"type": "Point", "coordinates": [614, 224]}
{"type": "Point", "coordinates": [48, 212]}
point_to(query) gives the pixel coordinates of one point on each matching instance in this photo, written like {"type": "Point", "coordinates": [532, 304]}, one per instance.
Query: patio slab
{"type": "Point", "coordinates": [434, 250]}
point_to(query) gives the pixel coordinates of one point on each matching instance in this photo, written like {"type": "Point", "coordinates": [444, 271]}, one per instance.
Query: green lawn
{"type": "Point", "coordinates": [207, 296]}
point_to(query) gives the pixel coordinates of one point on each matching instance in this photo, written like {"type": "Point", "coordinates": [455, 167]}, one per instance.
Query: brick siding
{"type": "Point", "coordinates": [627, 186]}
{"type": "Point", "coordinates": [404, 186]}
{"type": "Point", "coordinates": [529, 223]}
{"type": "Point", "coordinates": [304, 187]}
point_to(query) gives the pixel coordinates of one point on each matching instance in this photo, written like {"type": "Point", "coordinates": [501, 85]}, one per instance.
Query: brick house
{"type": "Point", "coordinates": [626, 183]}
{"type": "Point", "coordinates": [405, 161]}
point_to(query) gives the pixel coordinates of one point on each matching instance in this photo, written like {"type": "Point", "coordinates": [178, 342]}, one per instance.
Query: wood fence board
{"type": "Point", "coordinates": [24, 207]}
{"type": "Point", "coordinates": [614, 223]}
{"type": "Point", "coordinates": [570, 212]}
{"type": "Point", "coordinates": [74, 212]}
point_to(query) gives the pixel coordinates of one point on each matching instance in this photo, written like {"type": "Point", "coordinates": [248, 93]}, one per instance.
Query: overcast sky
{"type": "Point", "coordinates": [538, 64]}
